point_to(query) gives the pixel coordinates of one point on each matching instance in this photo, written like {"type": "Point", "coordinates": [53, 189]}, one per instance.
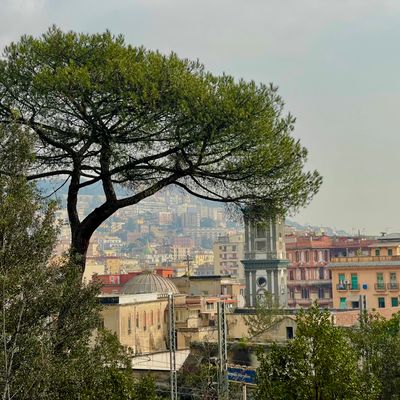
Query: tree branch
{"type": "Point", "coordinates": [49, 173]}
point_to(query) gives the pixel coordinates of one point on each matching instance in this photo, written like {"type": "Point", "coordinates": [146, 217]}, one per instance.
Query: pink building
{"type": "Point", "coordinates": [309, 278]}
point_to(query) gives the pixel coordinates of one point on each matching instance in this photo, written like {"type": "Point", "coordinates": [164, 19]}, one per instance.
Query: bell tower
{"type": "Point", "coordinates": [265, 263]}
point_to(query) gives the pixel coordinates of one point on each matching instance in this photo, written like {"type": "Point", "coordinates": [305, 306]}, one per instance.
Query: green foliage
{"type": "Point", "coordinates": [377, 342]}
{"type": "Point", "coordinates": [47, 317]}
{"type": "Point", "coordinates": [103, 111]}
{"type": "Point", "coordinates": [200, 381]}
{"type": "Point", "coordinates": [145, 389]}
{"type": "Point", "coordinates": [267, 314]}
{"type": "Point", "coordinates": [319, 363]}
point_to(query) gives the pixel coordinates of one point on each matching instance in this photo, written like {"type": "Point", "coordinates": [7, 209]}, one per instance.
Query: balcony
{"type": "Point", "coordinates": [380, 286]}
{"type": "Point", "coordinates": [362, 259]}
{"type": "Point", "coordinates": [343, 287]}
{"type": "Point", "coordinates": [308, 282]}
{"type": "Point", "coordinates": [393, 286]}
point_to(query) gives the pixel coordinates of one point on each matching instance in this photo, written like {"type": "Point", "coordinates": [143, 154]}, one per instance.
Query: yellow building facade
{"type": "Point", "coordinates": [139, 321]}
{"type": "Point", "coordinates": [372, 279]}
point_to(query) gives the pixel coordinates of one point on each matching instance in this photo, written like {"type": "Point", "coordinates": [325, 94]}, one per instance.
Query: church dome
{"type": "Point", "coordinates": [149, 282]}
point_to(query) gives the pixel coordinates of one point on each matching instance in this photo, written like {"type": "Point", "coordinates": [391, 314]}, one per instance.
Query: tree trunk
{"type": "Point", "coordinates": [82, 232]}
{"type": "Point", "coordinates": [79, 248]}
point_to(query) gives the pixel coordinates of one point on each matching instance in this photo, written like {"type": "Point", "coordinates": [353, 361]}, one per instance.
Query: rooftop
{"type": "Point", "coordinates": [149, 282]}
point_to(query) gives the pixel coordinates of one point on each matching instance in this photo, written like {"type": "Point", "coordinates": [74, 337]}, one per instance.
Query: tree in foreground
{"type": "Point", "coordinates": [104, 112]}
{"type": "Point", "coordinates": [319, 363]}
{"type": "Point", "coordinates": [44, 353]}
{"type": "Point", "coordinates": [377, 342]}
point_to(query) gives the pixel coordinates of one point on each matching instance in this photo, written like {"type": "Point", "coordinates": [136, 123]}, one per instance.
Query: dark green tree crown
{"type": "Point", "coordinates": [104, 111]}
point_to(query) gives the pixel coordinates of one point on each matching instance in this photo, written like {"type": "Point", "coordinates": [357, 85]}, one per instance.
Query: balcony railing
{"type": "Point", "coordinates": [381, 286]}
{"type": "Point", "coordinates": [361, 259]}
{"type": "Point", "coordinates": [309, 282]}
{"type": "Point", "coordinates": [393, 286]}
{"type": "Point", "coordinates": [347, 286]}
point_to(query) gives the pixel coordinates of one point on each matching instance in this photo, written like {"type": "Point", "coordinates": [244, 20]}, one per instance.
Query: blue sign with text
{"type": "Point", "coordinates": [237, 374]}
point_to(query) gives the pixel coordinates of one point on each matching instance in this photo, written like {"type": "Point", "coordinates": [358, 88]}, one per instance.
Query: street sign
{"type": "Point", "coordinates": [244, 375]}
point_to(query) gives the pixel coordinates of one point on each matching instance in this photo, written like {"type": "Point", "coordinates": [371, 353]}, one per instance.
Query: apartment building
{"type": "Point", "coordinates": [228, 253]}
{"type": "Point", "coordinates": [373, 277]}
{"type": "Point", "coordinates": [309, 279]}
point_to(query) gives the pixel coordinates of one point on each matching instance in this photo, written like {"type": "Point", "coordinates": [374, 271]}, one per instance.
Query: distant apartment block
{"type": "Point", "coordinates": [182, 241]}
{"type": "Point", "coordinates": [200, 235]}
{"type": "Point", "coordinates": [372, 278]}
{"type": "Point", "coordinates": [309, 278]}
{"type": "Point", "coordinates": [228, 253]}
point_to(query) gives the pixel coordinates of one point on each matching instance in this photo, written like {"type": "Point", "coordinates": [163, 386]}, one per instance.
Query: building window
{"type": "Point", "coordinates": [355, 304]}
{"type": "Point", "coordinates": [303, 274]}
{"type": "Point", "coordinates": [291, 275]}
{"type": "Point", "coordinates": [342, 305]}
{"type": "Point", "coordinates": [354, 282]}
{"type": "Point", "coordinates": [307, 256]}
{"type": "Point", "coordinates": [390, 252]}
{"type": "Point", "coordinates": [158, 317]}
{"type": "Point", "coordinates": [381, 302]}
{"type": "Point", "coordinates": [261, 232]}
{"type": "Point", "coordinates": [144, 320]}
{"type": "Point", "coordinates": [129, 325]}
{"type": "Point", "coordinates": [379, 281]}
{"type": "Point", "coordinates": [291, 294]}
{"type": "Point", "coordinates": [393, 277]}
{"type": "Point", "coordinates": [315, 255]}
{"type": "Point", "coordinates": [304, 293]}
{"type": "Point", "coordinates": [341, 278]}
{"type": "Point", "coordinates": [261, 245]}
{"type": "Point", "coordinates": [137, 320]}
{"type": "Point", "coordinates": [326, 257]}
{"type": "Point", "coordinates": [395, 301]}
{"type": "Point", "coordinates": [152, 318]}
{"type": "Point", "coordinates": [377, 252]}
{"type": "Point", "coordinates": [297, 256]}
{"type": "Point", "coordinates": [289, 332]}
{"type": "Point", "coordinates": [321, 273]}
{"type": "Point", "coordinates": [321, 293]}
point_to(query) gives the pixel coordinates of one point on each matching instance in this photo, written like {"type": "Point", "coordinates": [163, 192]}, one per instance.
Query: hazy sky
{"type": "Point", "coordinates": [336, 62]}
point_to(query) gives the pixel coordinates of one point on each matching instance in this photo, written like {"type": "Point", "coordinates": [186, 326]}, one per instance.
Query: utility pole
{"type": "Point", "coordinates": [223, 388]}
{"type": "Point", "coordinates": [363, 306]}
{"type": "Point", "coordinates": [172, 346]}
{"type": "Point", "coordinates": [244, 391]}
